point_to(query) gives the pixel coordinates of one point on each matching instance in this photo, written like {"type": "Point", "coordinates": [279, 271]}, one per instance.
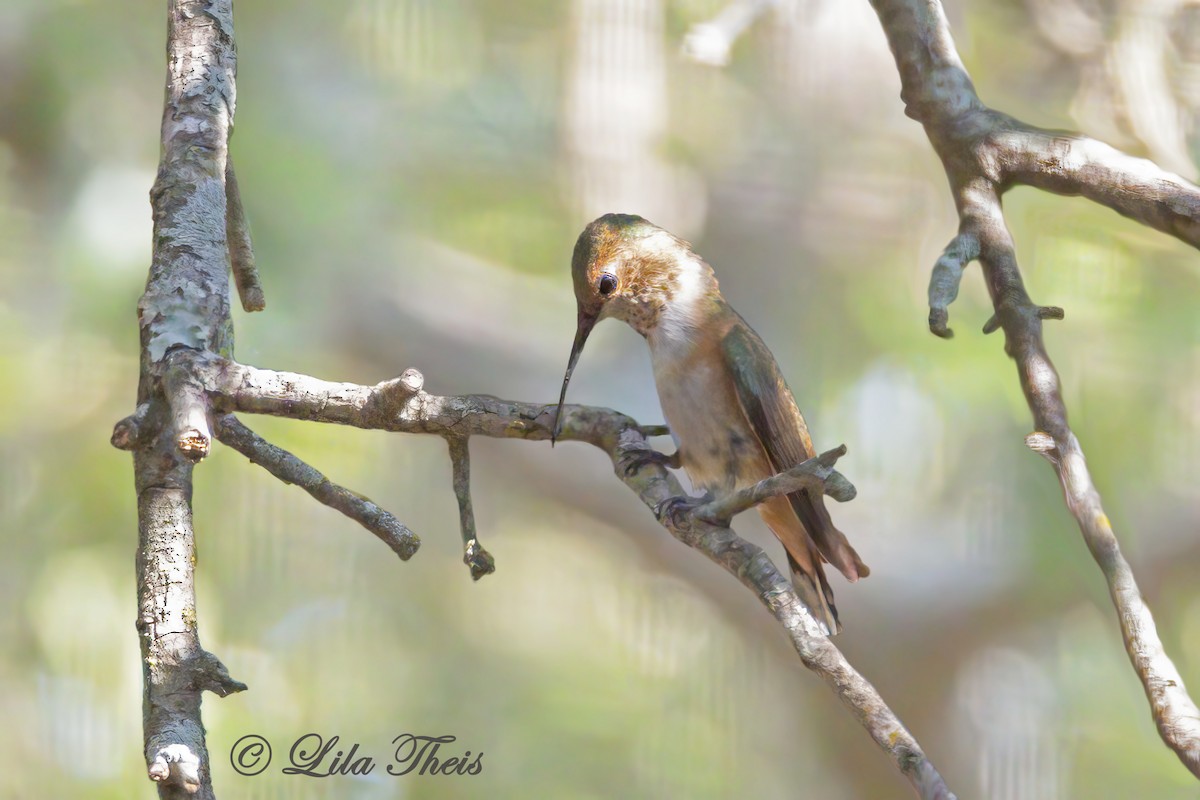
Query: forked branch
{"type": "Point", "coordinates": [985, 152]}
{"type": "Point", "coordinates": [234, 387]}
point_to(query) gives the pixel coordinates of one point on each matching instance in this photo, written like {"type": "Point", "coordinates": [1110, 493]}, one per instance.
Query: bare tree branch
{"type": "Point", "coordinates": [237, 387]}
{"type": "Point", "coordinates": [810, 474]}
{"type": "Point", "coordinates": [290, 469]}
{"type": "Point", "coordinates": [984, 153]}
{"type": "Point", "coordinates": [186, 304]}
{"type": "Point", "coordinates": [176, 669]}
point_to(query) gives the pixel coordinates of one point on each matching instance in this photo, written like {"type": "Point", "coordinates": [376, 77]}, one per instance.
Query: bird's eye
{"type": "Point", "coordinates": [608, 283]}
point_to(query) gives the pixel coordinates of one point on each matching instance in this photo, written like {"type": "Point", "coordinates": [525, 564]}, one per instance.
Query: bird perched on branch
{"type": "Point", "coordinates": [729, 410]}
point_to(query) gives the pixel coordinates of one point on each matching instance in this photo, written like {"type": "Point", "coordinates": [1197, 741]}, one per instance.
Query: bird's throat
{"type": "Point", "coordinates": [689, 307]}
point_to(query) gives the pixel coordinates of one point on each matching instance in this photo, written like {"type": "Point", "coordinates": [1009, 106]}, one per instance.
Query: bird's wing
{"type": "Point", "coordinates": [776, 420]}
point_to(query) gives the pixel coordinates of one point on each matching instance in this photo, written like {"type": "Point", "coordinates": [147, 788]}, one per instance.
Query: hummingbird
{"type": "Point", "coordinates": [728, 408]}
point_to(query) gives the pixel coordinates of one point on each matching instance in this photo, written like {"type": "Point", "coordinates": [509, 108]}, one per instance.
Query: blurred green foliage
{"type": "Point", "coordinates": [415, 172]}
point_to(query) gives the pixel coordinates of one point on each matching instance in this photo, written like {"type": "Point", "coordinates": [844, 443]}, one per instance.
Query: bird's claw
{"type": "Point", "coordinates": [674, 508]}
{"type": "Point", "coordinates": [632, 462]}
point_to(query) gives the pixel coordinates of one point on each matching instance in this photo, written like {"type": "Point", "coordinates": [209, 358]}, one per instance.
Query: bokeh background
{"type": "Point", "coordinates": [415, 172]}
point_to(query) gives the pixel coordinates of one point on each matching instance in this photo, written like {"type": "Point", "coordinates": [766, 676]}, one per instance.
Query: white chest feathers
{"type": "Point", "coordinates": [683, 314]}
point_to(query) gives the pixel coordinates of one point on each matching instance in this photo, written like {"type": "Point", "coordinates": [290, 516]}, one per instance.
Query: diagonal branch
{"type": "Point", "coordinates": [810, 474]}
{"type": "Point", "coordinates": [985, 152]}
{"type": "Point", "coordinates": [1070, 164]}
{"type": "Point", "coordinates": [290, 469]}
{"type": "Point", "coordinates": [237, 387]}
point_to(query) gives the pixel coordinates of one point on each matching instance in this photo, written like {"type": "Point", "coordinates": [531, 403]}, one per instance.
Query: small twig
{"type": "Point", "coordinates": [810, 474]}
{"type": "Point", "coordinates": [290, 469]}
{"type": "Point", "coordinates": [128, 432]}
{"type": "Point", "coordinates": [946, 277]}
{"type": "Point", "coordinates": [391, 395]}
{"type": "Point", "coordinates": [211, 675]}
{"type": "Point", "coordinates": [190, 411]}
{"type": "Point", "coordinates": [241, 251]}
{"type": "Point", "coordinates": [479, 561]}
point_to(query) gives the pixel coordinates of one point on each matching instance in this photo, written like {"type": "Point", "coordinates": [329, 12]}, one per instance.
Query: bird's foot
{"type": "Point", "coordinates": [633, 461]}
{"type": "Point", "coordinates": [676, 508]}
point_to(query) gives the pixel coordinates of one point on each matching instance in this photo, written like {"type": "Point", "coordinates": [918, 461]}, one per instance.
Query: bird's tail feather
{"type": "Point", "coordinates": [831, 543]}
{"type": "Point", "coordinates": [818, 599]}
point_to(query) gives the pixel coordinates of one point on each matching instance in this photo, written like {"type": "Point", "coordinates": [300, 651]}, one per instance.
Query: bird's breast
{"type": "Point", "coordinates": [719, 449]}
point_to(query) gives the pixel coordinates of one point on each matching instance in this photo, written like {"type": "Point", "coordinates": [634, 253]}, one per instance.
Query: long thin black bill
{"type": "Point", "coordinates": [582, 329]}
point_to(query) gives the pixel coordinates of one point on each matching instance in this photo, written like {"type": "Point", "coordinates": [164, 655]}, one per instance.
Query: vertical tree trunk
{"type": "Point", "coordinates": [186, 304]}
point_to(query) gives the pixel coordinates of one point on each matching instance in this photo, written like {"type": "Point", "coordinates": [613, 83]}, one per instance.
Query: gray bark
{"type": "Point", "coordinates": [986, 152]}
{"type": "Point", "coordinates": [233, 387]}
{"type": "Point", "coordinates": [186, 304]}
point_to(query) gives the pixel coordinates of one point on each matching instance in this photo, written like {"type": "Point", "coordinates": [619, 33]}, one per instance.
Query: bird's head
{"type": "Point", "coordinates": [630, 269]}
